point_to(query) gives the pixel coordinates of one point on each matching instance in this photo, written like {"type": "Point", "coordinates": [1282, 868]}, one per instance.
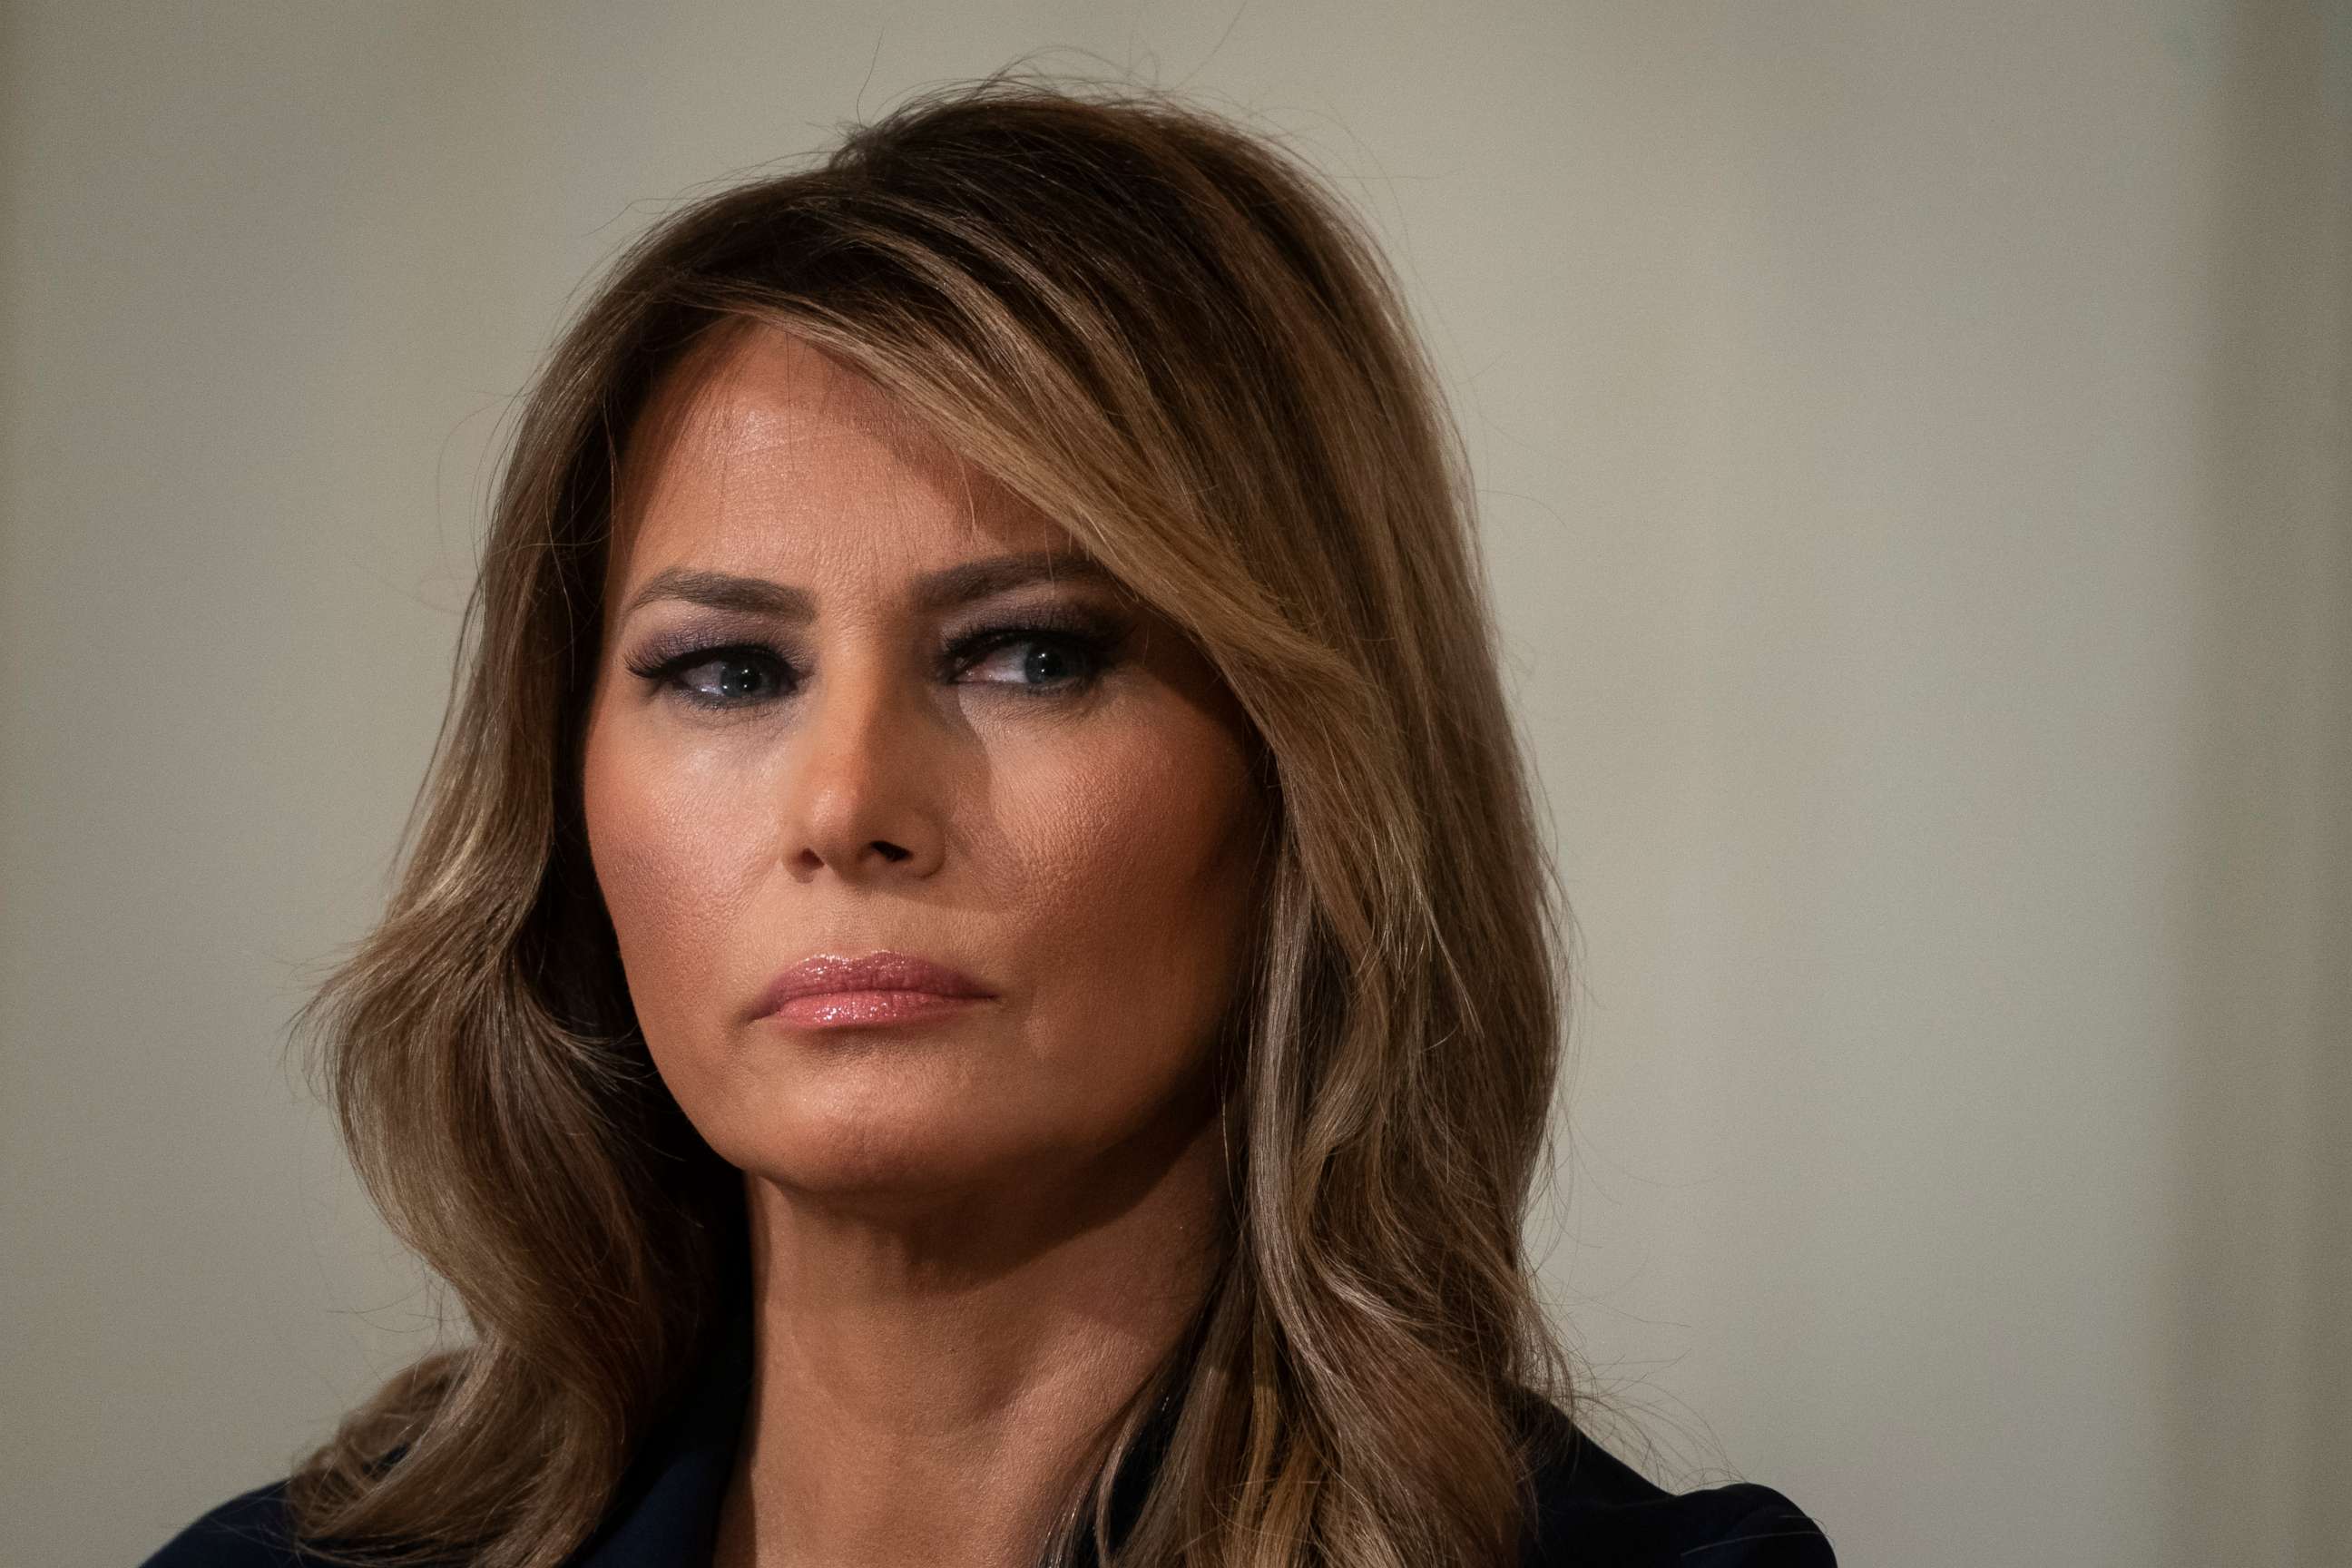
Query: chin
{"type": "Point", "coordinates": [881, 1143]}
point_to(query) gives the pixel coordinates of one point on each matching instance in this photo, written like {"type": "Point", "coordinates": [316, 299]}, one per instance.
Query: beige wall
{"type": "Point", "coordinates": [1913, 441]}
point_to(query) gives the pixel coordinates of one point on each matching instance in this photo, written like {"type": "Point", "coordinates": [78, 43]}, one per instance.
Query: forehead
{"type": "Point", "coordinates": [760, 452]}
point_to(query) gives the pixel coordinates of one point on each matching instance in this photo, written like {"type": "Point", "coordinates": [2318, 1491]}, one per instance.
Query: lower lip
{"type": "Point", "coordinates": [848, 1009]}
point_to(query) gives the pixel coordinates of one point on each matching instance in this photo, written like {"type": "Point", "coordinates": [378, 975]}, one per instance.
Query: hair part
{"type": "Point", "coordinates": [1176, 341]}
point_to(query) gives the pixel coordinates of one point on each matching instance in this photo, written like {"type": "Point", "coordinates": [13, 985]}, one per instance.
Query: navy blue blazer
{"type": "Point", "coordinates": [1590, 1508]}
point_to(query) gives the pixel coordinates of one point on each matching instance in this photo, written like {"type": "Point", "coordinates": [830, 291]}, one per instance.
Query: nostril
{"type": "Point", "coordinates": [891, 851]}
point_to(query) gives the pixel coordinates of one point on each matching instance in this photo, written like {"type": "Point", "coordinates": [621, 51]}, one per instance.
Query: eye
{"type": "Point", "coordinates": [738, 674]}
{"type": "Point", "coordinates": [1034, 660]}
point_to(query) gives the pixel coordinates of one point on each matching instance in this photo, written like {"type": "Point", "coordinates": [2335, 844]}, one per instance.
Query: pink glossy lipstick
{"type": "Point", "coordinates": [827, 990]}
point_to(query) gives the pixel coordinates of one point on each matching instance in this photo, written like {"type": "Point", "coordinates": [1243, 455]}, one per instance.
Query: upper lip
{"type": "Point", "coordinates": [879, 970]}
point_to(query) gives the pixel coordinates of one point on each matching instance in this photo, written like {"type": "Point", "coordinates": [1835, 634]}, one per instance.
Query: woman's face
{"type": "Point", "coordinates": [828, 719]}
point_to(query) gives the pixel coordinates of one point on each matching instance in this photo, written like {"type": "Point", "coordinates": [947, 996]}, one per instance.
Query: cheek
{"type": "Point", "coordinates": [1133, 894]}
{"type": "Point", "coordinates": [675, 874]}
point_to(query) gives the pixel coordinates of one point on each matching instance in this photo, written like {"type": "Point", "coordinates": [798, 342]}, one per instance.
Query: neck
{"type": "Point", "coordinates": [929, 1373]}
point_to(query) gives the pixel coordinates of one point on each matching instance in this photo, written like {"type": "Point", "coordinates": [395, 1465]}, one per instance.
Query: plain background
{"type": "Point", "coordinates": [1913, 443]}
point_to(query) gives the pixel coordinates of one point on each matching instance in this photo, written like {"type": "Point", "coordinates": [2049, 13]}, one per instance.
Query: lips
{"type": "Point", "coordinates": [829, 987]}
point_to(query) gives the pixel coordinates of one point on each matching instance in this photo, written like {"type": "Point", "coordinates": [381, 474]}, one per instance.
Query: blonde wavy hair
{"type": "Point", "coordinates": [1176, 341]}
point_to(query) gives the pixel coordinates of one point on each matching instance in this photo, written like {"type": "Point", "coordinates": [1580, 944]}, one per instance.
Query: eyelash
{"type": "Point", "coordinates": [668, 659]}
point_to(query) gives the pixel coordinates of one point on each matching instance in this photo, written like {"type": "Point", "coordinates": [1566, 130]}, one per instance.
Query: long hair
{"type": "Point", "coordinates": [1172, 337]}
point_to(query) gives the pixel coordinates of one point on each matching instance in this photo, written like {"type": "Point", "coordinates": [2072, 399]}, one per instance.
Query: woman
{"type": "Point", "coordinates": [979, 982]}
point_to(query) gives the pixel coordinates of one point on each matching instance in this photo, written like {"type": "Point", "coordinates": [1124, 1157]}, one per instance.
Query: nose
{"type": "Point", "coordinates": [864, 788]}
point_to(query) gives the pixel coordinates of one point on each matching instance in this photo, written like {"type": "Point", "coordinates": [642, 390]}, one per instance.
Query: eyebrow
{"type": "Point", "coordinates": [934, 591]}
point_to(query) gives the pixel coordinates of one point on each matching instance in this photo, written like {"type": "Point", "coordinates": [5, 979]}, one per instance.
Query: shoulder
{"type": "Point", "coordinates": [248, 1531]}
{"type": "Point", "coordinates": [1591, 1508]}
